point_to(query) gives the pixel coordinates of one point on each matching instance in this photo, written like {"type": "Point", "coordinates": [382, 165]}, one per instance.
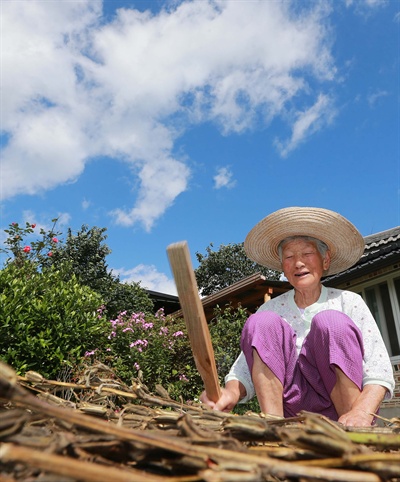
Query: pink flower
{"type": "Point", "coordinates": [27, 249]}
{"type": "Point", "coordinates": [33, 226]}
{"type": "Point", "coordinates": [90, 353]}
{"type": "Point", "coordinates": [137, 344]}
{"type": "Point", "coordinates": [50, 253]}
{"type": "Point", "coordinates": [55, 240]}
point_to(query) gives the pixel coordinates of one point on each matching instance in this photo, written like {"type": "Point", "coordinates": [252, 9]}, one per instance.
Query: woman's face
{"type": "Point", "coordinates": [302, 263]}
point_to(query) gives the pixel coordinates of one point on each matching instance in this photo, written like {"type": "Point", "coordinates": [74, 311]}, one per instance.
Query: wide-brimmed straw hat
{"type": "Point", "coordinates": [344, 241]}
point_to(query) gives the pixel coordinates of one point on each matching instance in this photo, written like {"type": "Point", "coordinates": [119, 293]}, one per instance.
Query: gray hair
{"type": "Point", "coordinates": [321, 246]}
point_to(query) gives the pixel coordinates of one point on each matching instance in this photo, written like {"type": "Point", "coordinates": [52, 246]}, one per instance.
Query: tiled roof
{"type": "Point", "coordinates": [381, 249]}
{"type": "Point", "coordinates": [384, 237]}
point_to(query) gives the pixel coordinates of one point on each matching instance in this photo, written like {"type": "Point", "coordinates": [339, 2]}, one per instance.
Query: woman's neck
{"type": "Point", "coordinates": [304, 298]}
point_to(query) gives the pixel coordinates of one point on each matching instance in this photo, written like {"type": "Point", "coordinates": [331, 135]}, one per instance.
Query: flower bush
{"type": "Point", "coordinates": [156, 350]}
{"type": "Point", "coordinates": [37, 251]}
{"type": "Point", "coordinates": [152, 348]}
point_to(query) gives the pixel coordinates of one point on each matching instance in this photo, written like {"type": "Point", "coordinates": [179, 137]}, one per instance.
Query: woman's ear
{"type": "Point", "coordinates": [327, 261]}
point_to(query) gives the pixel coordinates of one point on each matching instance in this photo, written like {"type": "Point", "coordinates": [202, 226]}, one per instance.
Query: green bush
{"type": "Point", "coordinates": [50, 296]}
{"type": "Point", "coordinates": [130, 297]}
{"type": "Point", "coordinates": [46, 321]}
{"type": "Point", "coordinates": [225, 330]}
{"type": "Point", "coordinates": [156, 350]}
{"type": "Point", "coordinates": [153, 348]}
{"type": "Point", "coordinates": [85, 253]}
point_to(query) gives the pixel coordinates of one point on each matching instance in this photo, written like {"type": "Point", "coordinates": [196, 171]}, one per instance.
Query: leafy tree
{"type": "Point", "coordinates": [86, 253]}
{"type": "Point", "coordinates": [221, 268]}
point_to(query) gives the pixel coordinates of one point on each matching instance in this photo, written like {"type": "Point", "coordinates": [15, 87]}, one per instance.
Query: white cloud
{"type": "Point", "coordinates": [86, 204]}
{"type": "Point", "coordinates": [149, 278]}
{"type": "Point", "coordinates": [376, 3]}
{"type": "Point", "coordinates": [366, 4]}
{"type": "Point", "coordinates": [162, 181]}
{"type": "Point", "coordinates": [223, 178]}
{"type": "Point", "coordinates": [375, 96]}
{"type": "Point", "coordinates": [308, 122]}
{"type": "Point", "coordinates": [128, 89]}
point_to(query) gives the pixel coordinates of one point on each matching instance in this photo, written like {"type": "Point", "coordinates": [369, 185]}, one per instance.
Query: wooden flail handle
{"type": "Point", "coordinates": [195, 320]}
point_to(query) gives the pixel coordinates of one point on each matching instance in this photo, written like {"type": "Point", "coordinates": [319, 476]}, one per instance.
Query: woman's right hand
{"type": "Point", "coordinates": [230, 395]}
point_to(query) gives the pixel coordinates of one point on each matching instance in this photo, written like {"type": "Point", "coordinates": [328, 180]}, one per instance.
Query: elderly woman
{"type": "Point", "coordinates": [312, 348]}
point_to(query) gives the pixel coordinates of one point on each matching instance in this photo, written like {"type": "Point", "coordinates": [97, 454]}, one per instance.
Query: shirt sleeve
{"type": "Point", "coordinates": [377, 368]}
{"type": "Point", "coordinates": [240, 371]}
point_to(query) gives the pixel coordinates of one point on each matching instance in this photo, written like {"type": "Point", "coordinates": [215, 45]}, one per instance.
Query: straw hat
{"type": "Point", "coordinates": [342, 238]}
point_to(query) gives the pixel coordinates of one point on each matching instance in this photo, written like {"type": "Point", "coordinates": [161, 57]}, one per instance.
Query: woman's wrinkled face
{"type": "Point", "coordinates": [302, 263]}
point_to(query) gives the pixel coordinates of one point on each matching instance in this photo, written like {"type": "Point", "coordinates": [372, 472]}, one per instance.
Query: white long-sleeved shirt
{"type": "Point", "coordinates": [377, 368]}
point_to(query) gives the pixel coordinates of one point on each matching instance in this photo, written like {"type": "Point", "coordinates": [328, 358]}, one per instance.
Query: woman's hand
{"type": "Point", "coordinates": [362, 412]}
{"type": "Point", "coordinates": [356, 418]}
{"type": "Point", "coordinates": [230, 395]}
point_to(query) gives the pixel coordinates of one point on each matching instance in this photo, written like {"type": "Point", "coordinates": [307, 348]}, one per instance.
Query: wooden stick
{"type": "Point", "coordinates": [70, 467]}
{"type": "Point", "coordinates": [195, 320]}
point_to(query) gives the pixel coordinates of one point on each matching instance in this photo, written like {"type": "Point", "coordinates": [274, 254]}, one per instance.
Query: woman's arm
{"type": "Point", "coordinates": [365, 406]}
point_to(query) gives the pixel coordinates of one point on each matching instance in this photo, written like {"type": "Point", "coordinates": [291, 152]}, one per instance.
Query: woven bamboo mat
{"type": "Point", "coordinates": [98, 430]}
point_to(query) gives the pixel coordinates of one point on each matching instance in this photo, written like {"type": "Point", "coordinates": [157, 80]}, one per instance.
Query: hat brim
{"type": "Point", "coordinates": [345, 243]}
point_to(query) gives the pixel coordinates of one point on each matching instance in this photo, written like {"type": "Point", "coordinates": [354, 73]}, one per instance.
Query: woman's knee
{"type": "Point", "coordinates": [268, 330]}
{"type": "Point", "coordinates": [263, 321]}
{"type": "Point", "coordinates": [331, 320]}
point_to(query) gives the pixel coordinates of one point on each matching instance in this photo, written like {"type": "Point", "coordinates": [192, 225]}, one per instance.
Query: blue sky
{"type": "Point", "coordinates": [167, 121]}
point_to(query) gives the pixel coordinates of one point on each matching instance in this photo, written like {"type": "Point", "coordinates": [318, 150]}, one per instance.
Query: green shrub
{"type": "Point", "coordinates": [46, 322]}
{"type": "Point", "coordinates": [225, 330]}
{"type": "Point", "coordinates": [50, 294]}
{"type": "Point", "coordinates": [130, 297]}
{"type": "Point", "coordinates": [156, 349]}
{"type": "Point", "coordinates": [153, 348]}
{"type": "Point", "coordinates": [85, 253]}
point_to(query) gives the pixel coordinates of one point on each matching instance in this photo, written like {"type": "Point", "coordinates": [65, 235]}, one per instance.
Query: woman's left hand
{"type": "Point", "coordinates": [356, 418]}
